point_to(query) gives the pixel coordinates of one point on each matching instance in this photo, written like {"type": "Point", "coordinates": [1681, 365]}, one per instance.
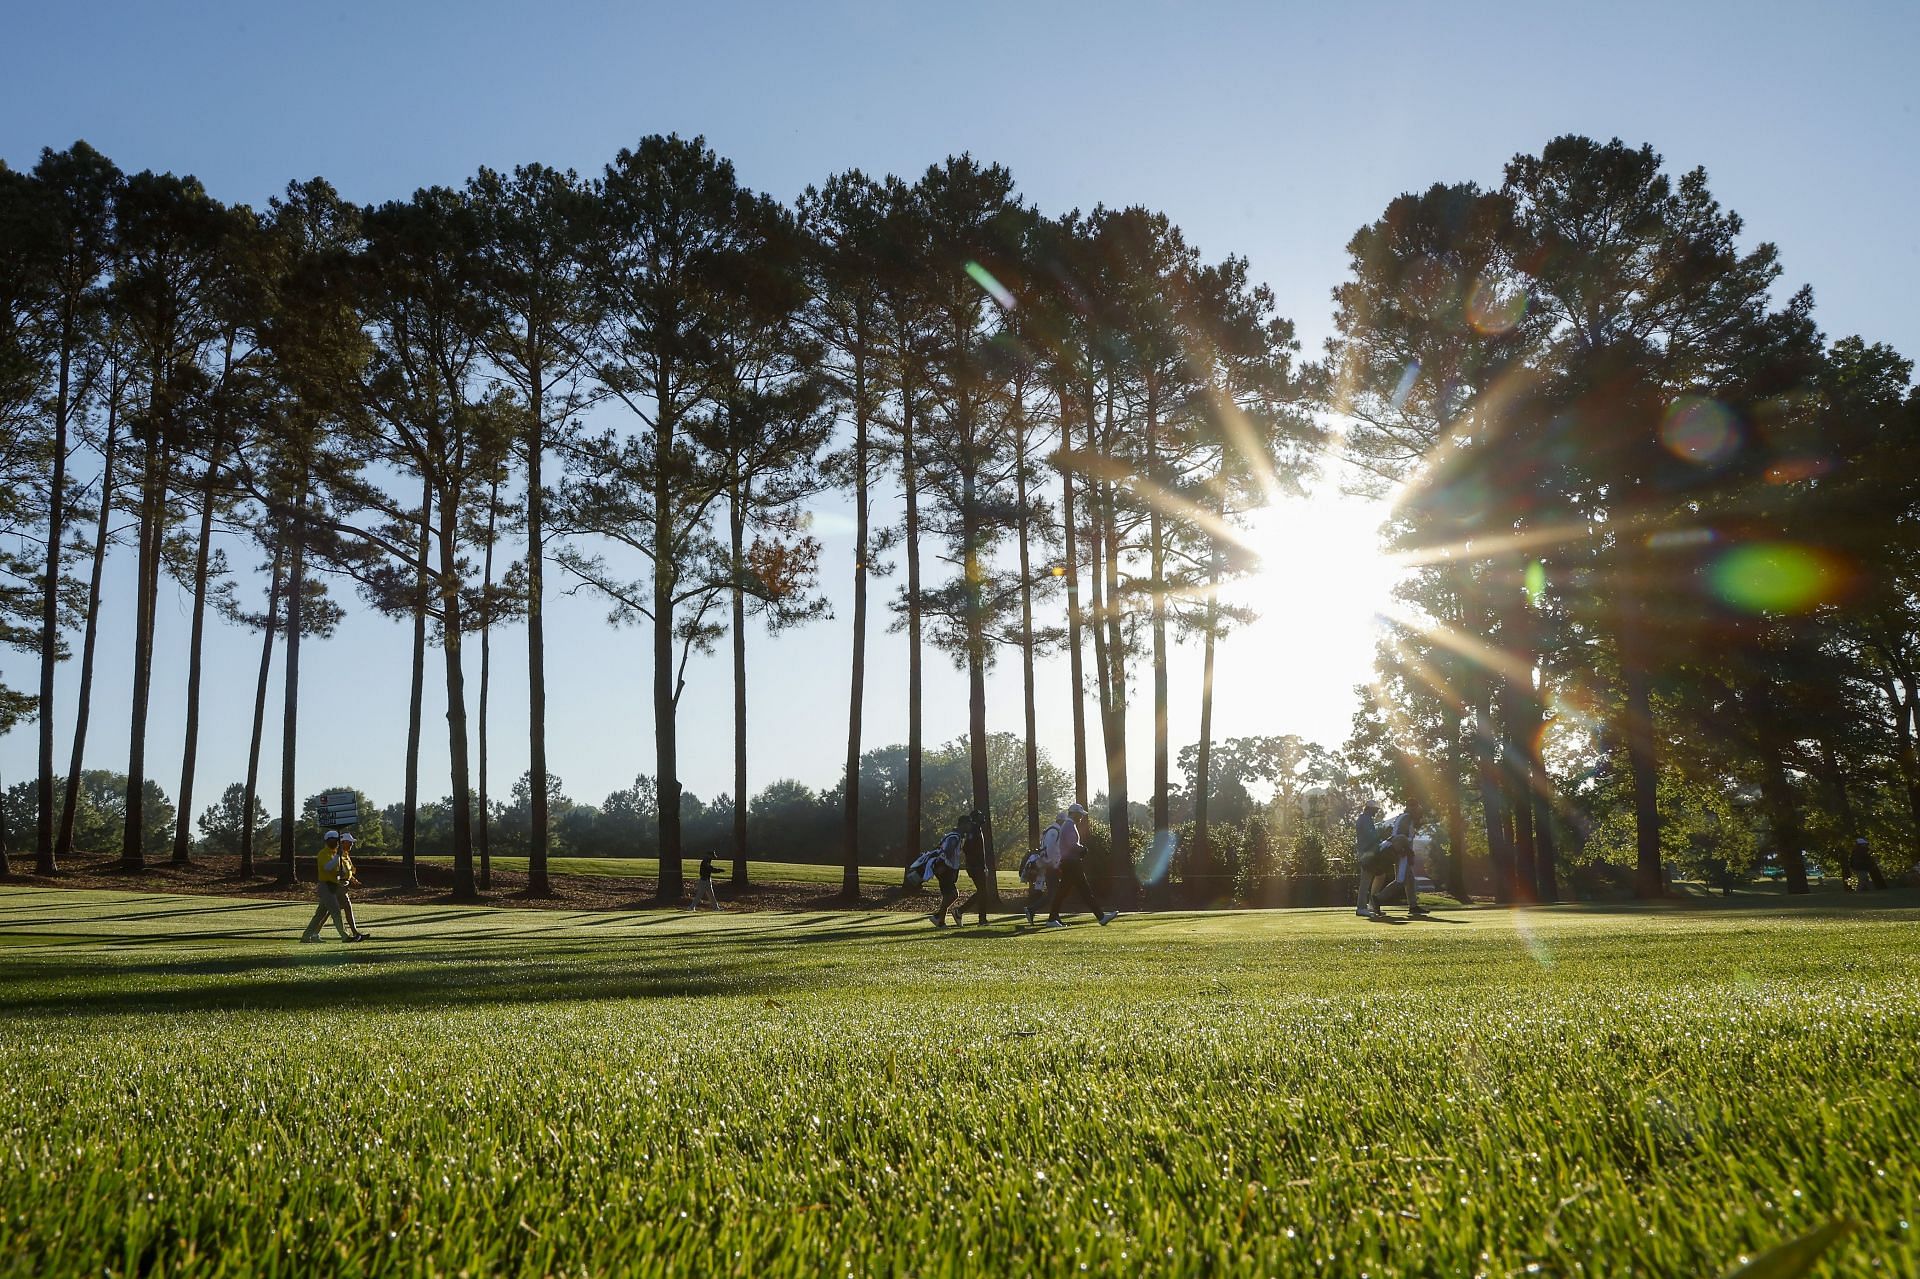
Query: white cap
{"type": "Point", "coordinates": [331, 836]}
{"type": "Point", "coordinates": [346, 837]}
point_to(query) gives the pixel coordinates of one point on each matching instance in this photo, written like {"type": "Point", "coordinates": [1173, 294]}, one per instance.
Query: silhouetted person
{"type": "Point", "coordinates": [1072, 873]}
{"type": "Point", "coordinates": [943, 863]}
{"type": "Point", "coordinates": [1865, 870]}
{"type": "Point", "coordinates": [1400, 842]}
{"type": "Point", "coordinates": [703, 887]}
{"type": "Point", "coordinates": [1366, 853]}
{"type": "Point", "coordinates": [973, 853]}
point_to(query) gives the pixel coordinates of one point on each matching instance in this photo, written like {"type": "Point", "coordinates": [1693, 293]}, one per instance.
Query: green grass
{"type": "Point", "coordinates": [184, 1089]}
{"type": "Point", "coordinates": [827, 877]}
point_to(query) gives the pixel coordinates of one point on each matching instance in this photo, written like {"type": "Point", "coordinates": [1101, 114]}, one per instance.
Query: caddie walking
{"type": "Point", "coordinates": [335, 878]}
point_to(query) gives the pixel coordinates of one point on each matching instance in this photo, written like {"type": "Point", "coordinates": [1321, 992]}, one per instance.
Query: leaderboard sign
{"type": "Point", "coordinates": [337, 808]}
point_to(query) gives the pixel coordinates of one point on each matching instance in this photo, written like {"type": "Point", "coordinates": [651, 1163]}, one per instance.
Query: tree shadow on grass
{"type": "Point", "coordinates": [344, 983]}
{"type": "Point", "coordinates": [469, 967]}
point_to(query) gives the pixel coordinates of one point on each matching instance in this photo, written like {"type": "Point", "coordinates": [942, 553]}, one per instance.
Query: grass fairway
{"type": "Point", "coordinates": [185, 1089]}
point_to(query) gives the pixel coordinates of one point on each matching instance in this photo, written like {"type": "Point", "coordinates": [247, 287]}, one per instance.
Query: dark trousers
{"type": "Point", "coordinates": [1070, 876]}
{"type": "Point", "coordinates": [1867, 871]}
{"type": "Point", "coordinates": [949, 885]}
{"type": "Point", "coordinates": [977, 899]}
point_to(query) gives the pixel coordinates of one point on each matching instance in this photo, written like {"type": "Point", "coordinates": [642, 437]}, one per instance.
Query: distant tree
{"type": "Point", "coordinates": [114, 387]}
{"type": "Point", "coordinates": [972, 221]}
{"type": "Point", "coordinates": [75, 190]}
{"type": "Point", "coordinates": [419, 291]}
{"type": "Point", "coordinates": [230, 397]}
{"type": "Point", "coordinates": [679, 231]}
{"type": "Point", "coordinates": [171, 233]}
{"type": "Point", "coordinates": [909, 337]}
{"type": "Point", "coordinates": [843, 221]}
{"type": "Point", "coordinates": [539, 237]}
{"type": "Point", "coordinates": [233, 821]}
{"type": "Point", "coordinates": [300, 469]}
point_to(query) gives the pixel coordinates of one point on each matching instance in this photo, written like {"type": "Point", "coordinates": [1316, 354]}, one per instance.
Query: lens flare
{"type": "Point", "coordinates": [1791, 470]}
{"type": "Point", "coordinates": [1536, 945]}
{"type": "Point", "coordinates": [1671, 539]}
{"type": "Point", "coordinates": [1492, 310]}
{"type": "Point", "coordinates": [1777, 577]}
{"type": "Point", "coordinates": [1001, 295]}
{"type": "Point", "coordinates": [1159, 859]}
{"type": "Point", "coordinates": [1536, 581]}
{"type": "Point", "coordinates": [1408, 377]}
{"type": "Point", "coordinates": [1700, 431]}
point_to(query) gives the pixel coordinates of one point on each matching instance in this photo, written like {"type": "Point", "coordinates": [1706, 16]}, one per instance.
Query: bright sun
{"type": "Point", "coordinates": [1322, 585]}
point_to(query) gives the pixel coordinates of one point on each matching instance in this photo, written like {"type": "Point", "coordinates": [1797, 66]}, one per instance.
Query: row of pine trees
{"type": "Point", "coordinates": [1581, 390]}
{"type": "Point", "coordinates": [643, 378]}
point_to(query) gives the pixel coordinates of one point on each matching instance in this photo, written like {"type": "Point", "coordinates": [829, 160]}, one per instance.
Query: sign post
{"type": "Point", "coordinates": [336, 808]}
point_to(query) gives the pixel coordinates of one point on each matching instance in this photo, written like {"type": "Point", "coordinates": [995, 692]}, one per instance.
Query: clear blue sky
{"type": "Point", "coordinates": [1269, 130]}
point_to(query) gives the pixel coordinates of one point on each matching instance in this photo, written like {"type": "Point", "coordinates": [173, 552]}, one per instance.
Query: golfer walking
{"type": "Point", "coordinates": [1366, 853]}
{"type": "Point", "coordinates": [973, 853]}
{"type": "Point", "coordinates": [1072, 874]}
{"type": "Point", "coordinates": [335, 878]}
{"type": "Point", "coordinates": [703, 887]}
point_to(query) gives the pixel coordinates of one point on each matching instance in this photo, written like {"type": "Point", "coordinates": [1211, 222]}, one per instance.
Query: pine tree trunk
{"type": "Point", "coordinates": [737, 533]}
{"type": "Point", "coordinates": [260, 706]}
{"type": "Point", "coordinates": [481, 832]}
{"type": "Point", "coordinates": [1074, 646]}
{"type": "Point", "coordinates": [410, 804]}
{"type": "Point", "coordinates": [6, 862]}
{"type": "Point", "coordinates": [538, 884]}
{"type": "Point", "coordinates": [973, 574]}
{"type": "Point", "coordinates": [1203, 765]}
{"type": "Point", "coordinates": [464, 888]}
{"type": "Point", "coordinates": [1026, 646]}
{"type": "Point", "coordinates": [190, 748]}
{"type": "Point", "coordinates": [1493, 805]}
{"type": "Point", "coordinates": [1903, 700]}
{"type": "Point", "coordinates": [1546, 878]}
{"type": "Point", "coordinates": [1157, 554]}
{"type": "Point", "coordinates": [1642, 759]}
{"type": "Point", "coordinates": [1120, 817]}
{"type": "Point", "coordinates": [1456, 817]}
{"type": "Point", "coordinates": [1836, 780]}
{"type": "Point", "coordinates": [50, 598]}
{"type": "Point", "coordinates": [133, 856]}
{"type": "Point", "coordinates": [1776, 789]}
{"type": "Point", "coordinates": [910, 477]}
{"type": "Point", "coordinates": [1517, 720]}
{"type": "Point", "coordinates": [665, 740]}
{"type": "Point", "coordinates": [70, 810]}
{"type": "Point", "coordinates": [290, 714]}
{"type": "Point", "coordinates": [850, 799]}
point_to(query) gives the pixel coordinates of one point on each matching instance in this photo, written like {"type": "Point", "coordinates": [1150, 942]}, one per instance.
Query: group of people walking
{"type": "Point", "coordinates": [334, 879]}
{"type": "Point", "coordinates": [1386, 861]}
{"type": "Point", "coordinates": [1054, 872]}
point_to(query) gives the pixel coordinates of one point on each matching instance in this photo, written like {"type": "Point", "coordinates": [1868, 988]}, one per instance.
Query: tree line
{"type": "Point", "coordinates": [640, 379]}
{"type": "Point", "coordinates": [1645, 502]}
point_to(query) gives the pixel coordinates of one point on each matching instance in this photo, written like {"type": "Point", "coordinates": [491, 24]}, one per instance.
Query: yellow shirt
{"type": "Point", "coordinates": [336, 866]}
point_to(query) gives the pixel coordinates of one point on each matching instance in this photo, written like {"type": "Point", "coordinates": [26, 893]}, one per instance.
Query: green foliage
{"type": "Point", "coordinates": [226, 819]}
{"type": "Point", "coordinates": [100, 816]}
{"type": "Point", "coordinates": [1703, 827]}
